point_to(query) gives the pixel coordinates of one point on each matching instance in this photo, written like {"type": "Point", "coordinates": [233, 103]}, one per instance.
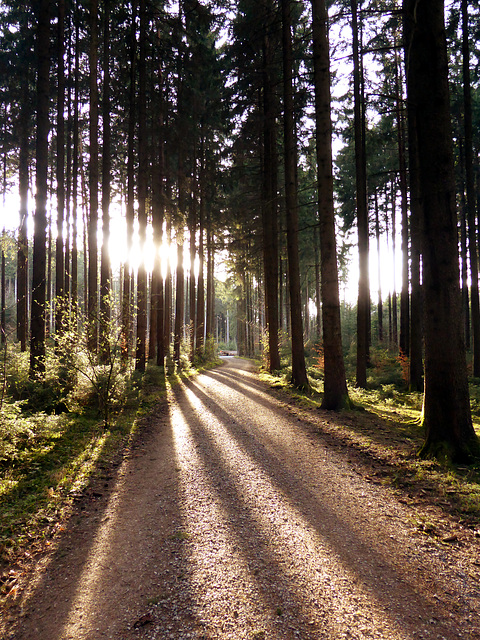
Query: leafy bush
{"type": "Point", "coordinates": [15, 433]}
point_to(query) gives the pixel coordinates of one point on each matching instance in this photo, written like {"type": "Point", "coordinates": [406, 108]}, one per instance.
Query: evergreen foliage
{"type": "Point", "coordinates": [189, 149]}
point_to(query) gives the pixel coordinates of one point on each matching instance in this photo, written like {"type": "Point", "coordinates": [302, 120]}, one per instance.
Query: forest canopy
{"type": "Point", "coordinates": [270, 177]}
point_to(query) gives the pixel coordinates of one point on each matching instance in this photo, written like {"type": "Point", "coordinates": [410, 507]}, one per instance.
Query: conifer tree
{"type": "Point", "coordinates": [335, 386]}
{"type": "Point", "coordinates": [299, 372]}
{"type": "Point", "coordinates": [446, 408]}
{"type": "Point", "coordinates": [38, 309]}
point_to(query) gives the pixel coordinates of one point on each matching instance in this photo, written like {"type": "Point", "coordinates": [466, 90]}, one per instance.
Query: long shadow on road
{"type": "Point", "coordinates": [114, 555]}
{"type": "Point", "coordinates": [339, 535]}
{"type": "Point", "coordinates": [124, 556]}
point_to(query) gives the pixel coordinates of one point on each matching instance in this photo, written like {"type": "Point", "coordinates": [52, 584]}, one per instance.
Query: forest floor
{"type": "Point", "coordinates": [238, 514]}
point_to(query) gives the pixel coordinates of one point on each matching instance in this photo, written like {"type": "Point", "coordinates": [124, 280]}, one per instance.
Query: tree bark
{"type": "Point", "coordinates": [168, 295]}
{"type": "Point", "coordinates": [200, 312]}
{"type": "Point", "coordinates": [93, 184]}
{"type": "Point", "coordinates": [446, 411]}
{"type": "Point", "coordinates": [394, 251]}
{"type": "Point", "coordinates": [179, 300]}
{"type": "Point", "coordinates": [105, 278]}
{"type": "Point", "coordinates": [363, 305]}
{"type": "Point", "coordinates": [141, 354]}
{"type": "Point", "coordinates": [75, 176]}
{"type": "Point", "coordinates": [3, 299]}
{"type": "Point", "coordinates": [191, 291]}
{"type": "Point", "coordinates": [318, 295]}
{"type": "Point", "coordinates": [299, 372]}
{"type": "Point", "coordinates": [470, 191]}
{"type": "Point", "coordinates": [464, 265]}
{"type": "Point", "coordinates": [270, 202]}
{"type": "Point", "coordinates": [210, 311]}
{"type": "Point", "coordinates": [416, 217]}
{"type": "Point", "coordinates": [158, 217]}
{"type": "Point", "coordinates": [38, 319]}
{"type": "Point", "coordinates": [380, 300]}
{"type": "Point", "coordinates": [59, 244]}
{"type": "Point", "coordinates": [335, 395]}
{"type": "Point", "coordinates": [404, 342]}
{"type": "Point", "coordinates": [22, 252]}
{"type": "Point", "coordinates": [127, 311]}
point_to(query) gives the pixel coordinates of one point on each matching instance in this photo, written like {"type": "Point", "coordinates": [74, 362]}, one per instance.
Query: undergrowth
{"type": "Point", "coordinates": [54, 438]}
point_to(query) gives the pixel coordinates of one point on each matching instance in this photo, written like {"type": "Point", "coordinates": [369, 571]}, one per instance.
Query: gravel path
{"type": "Point", "coordinates": [234, 519]}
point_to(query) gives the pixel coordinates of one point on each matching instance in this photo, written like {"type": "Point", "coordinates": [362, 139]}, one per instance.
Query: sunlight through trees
{"type": "Point", "coordinates": [249, 176]}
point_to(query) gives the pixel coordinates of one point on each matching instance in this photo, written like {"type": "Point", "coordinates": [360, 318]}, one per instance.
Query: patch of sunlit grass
{"type": "Point", "coordinates": [277, 380]}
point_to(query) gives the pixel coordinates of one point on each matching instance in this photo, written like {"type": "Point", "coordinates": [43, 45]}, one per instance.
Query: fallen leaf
{"type": "Point", "coordinates": [143, 621]}
{"type": "Point", "coordinates": [450, 538]}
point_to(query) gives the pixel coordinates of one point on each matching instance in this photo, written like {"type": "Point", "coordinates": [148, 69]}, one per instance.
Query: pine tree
{"type": "Point", "coordinates": [38, 309]}
{"type": "Point", "coordinates": [335, 386]}
{"type": "Point", "coordinates": [446, 411]}
{"type": "Point", "coordinates": [299, 372]}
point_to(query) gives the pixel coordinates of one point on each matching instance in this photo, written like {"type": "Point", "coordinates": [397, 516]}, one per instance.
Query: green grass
{"type": "Point", "coordinates": [46, 460]}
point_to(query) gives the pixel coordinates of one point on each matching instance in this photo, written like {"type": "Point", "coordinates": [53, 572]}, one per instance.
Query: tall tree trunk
{"type": "Point", "coordinates": [49, 298]}
{"type": "Point", "coordinates": [464, 259]}
{"type": "Point", "coordinates": [59, 245]}
{"type": "Point", "coordinates": [394, 251]}
{"type": "Point", "coordinates": [416, 217]}
{"type": "Point", "coordinates": [158, 217]}
{"type": "Point", "coordinates": [142, 194]}
{"type": "Point", "coordinates": [68, 170]}
{"type": "Point", "coordinates": [470, 191]}
{"type": "Point", "coordinates": [363, 305]}
{"type": "Point", "coordinates": [404, 342]}
{"type": "Point", "coordinates": [281, 293]}
{"type": "Point", "coordinates": [37, 336]}
{"type": "Point", "coordinates": [105, 278]}
{"type": "Point", "coordinates": [446, 411]}
{"type": "Point", "coordinates": [168, 294]}
{"type": "Point", "coordinates": [3, 299]}
{"type": "Point", "coordinates": [160, 316]}
{"type": "Point", "coordinates": [193, 250]}
{"type": "Point", "coordinates": [200, 312]}
{"type": "Point", "coordinates": [335, 395]}
{"type": "Point", "coordinates": [85, 253]}
{"type": "Point", "coordinates": [380, 300]}
{"type": "Point", "coordinates": [299, 372]}
{"type": "Point", "coordinates": [242, 317]}
{"type": "Point", "coordinates": [210, 311]}
{"type": "Point", "coordinates": [179, 300]}
{"type": "Point", "coordinates": [22, 253]}
{"type": "Point", "coordinates": [75, 176]}
{"type": "Point", "coordinates": [130, 213]}
{"type": "Point", "coordinates": [270, 201]}
{"type": "Point", "coordinates": [318, 295]}
{"type": "Point", "coordinates": [92, 319]}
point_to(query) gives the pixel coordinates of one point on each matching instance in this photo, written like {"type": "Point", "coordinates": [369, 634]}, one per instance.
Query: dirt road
{"type": "Point", "coordinates": [234, 518]}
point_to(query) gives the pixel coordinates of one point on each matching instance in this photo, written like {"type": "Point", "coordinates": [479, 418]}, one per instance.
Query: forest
{"type": "Point", "coordinates": [298, 182]}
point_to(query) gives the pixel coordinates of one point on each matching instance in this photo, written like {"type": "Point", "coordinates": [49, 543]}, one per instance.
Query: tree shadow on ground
{"type": "Point", "coordinates": [384, 448]}
{"type": "Point", "coordinates": [99, 574]}
{"type": "Point", "coordinates": [130, 538]}
{"type": "Point", "coordinates": [346, 542]}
